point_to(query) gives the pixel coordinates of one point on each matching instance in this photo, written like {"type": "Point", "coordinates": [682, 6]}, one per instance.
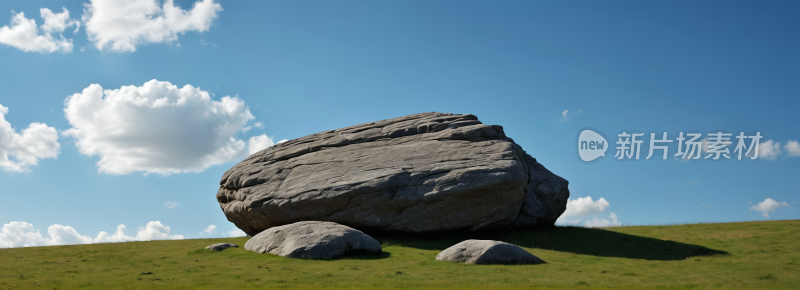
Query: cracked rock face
{"type": "Point", "coordinates": [417, 173]}
{"type": "Point", "coordinates": [312, 240]}
{"type": "Point", "coordinates": [487, 252]}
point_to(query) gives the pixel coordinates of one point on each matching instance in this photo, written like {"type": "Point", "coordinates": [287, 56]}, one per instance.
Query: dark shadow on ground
{"type": "Point", "coordinates": [579, 240]}
{"type": "Point", "coordinates": [365, 256]}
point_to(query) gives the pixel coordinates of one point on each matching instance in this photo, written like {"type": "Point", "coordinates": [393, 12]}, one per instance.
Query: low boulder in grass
{"type": "Point", "coordinates": [487, 252]}
{"type": "Point", "coordinates": [312, 240]}
{"type": "Point", "coordinates": [221, 246]}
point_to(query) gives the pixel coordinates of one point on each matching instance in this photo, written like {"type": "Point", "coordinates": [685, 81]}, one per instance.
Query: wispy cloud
{"type": "Point", "coordinates": [171, 204]}
{"type": "Point", "coordinates": [566, 114]}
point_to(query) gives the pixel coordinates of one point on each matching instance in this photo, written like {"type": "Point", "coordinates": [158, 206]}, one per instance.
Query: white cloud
{"type": "Point", "coordinates": [118, 236]}
{"type": "Point", "coordinates": [58, 22]}
{"type": "Point", "coordinates": [171, 204]}
{"type": "Point", "coordinates": [769, 205]}
{"type": "Point", "coordinates": [259, 125]}
{"type": "Point", "coordinates": [66, 235]}
{"type": "Point", "coordinates": [585, 206]}
{"type": "Point", "coordinates": [283, 141]}
{"type": "Point", "coordinates": [23, 33]}
{"type": "Point", "coordinates": [22, 234]}
{"type": "Point", "coordinates": [601, 222]}
{"type": "Point", "coordinates": [566, 114]}
{"type": "Point", "coordinates": [122, 25]}
{"type": "Point", "coordinates": [258, 143]}
{"type": "Point", "coordinates": [156, 231]}
{"type": "Point", "coordinates": [210, 230]}
{"type": "Point", "coordinates": [156, 128]}
{"type": "Point", "coordinates": [18, 151]}
{"type": "Point", "coordinates": [769, 150]}
{"type": "Point", "coordinates": [792, 148]}
{"type": "Point", "coordinates": [234, 233]}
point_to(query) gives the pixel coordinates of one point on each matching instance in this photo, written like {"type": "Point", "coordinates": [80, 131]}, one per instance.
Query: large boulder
{"type": "Point", "coordinates": [416, 173]}
{"type": "Point", "coordinates": [312, 240]}
{"type": "Point", "coordinates": [487, 252]}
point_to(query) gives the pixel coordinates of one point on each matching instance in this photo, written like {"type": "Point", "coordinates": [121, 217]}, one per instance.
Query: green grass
{"type": "Point", "coordinates": [725, 255]}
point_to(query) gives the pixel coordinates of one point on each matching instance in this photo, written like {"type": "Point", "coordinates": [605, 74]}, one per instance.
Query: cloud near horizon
{"type": "Point", "coordinates": [121, 26]}
{"type": "Point", "coordinates": [23, 34]}
{"type": "Point", "coordinates": [258, 143]}
{"type": "Point", "coordinates": [234, 233]}
{"type": "Point", "coordinates": [596, 222]}
{"type": "Point", "coordinates": [19, 151]}
{"type": "Point", "coordinates": [585, 206]}
{"type": "Point", "coordinates": [210, 230]}
{"type": "Point", "coordinates": [22, 234]}
{"type": "Point", "coordinates": [769, 205]}
{"type": "Point", "coordinates": [156, 128]}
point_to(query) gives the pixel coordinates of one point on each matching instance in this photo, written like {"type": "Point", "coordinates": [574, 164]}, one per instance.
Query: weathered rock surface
{"type": "Point", "coordinates": [312, 240]}
{"type": "Point", "coordinates": [221, 246]}
{"type": "Point", "coordinates": [487, 252]}
{"type": "Point", "coordinates": [416, 173]}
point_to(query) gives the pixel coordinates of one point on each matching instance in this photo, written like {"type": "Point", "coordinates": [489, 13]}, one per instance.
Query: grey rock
{"type": "Point", "coordinates": [416, 173]}
{"type": "Point", "coordinates": [487, 252]}
{"type": "Point", "coordinates": [221, 246]}
{"type": "Point", "coordinates": [312, 240]}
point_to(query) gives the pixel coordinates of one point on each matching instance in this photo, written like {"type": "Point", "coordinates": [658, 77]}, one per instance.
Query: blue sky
{"type": "Point", "coordinates": [545, 70]}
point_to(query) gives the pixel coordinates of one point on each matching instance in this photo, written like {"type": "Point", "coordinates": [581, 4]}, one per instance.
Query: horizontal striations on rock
{"type": "Point", "coordinates": [416, 173]}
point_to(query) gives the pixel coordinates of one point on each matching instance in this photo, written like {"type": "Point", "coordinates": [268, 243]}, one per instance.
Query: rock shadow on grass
{"type": "Point", "coordinates": [578, 240]}
{"type": "Point", "coordinates": [363, 256]}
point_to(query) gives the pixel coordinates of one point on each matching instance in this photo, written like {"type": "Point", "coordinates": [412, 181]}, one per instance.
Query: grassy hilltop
{"type": "Point", "coordinates": [725, 255]}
